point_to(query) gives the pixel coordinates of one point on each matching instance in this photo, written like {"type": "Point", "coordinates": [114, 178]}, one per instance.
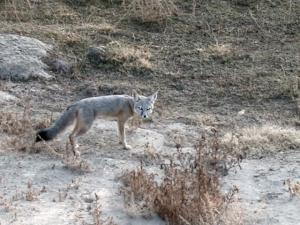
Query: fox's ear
{"type": "Point", "coordinates": [154, 97]}
{"type": "Point", "coordinates": [135, 95]}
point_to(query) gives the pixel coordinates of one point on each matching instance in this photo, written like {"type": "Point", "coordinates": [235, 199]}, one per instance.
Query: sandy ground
{"type": "Point", "coordinates": [67, 196]}
{"type": "Point", "coordinates": [264, 195]}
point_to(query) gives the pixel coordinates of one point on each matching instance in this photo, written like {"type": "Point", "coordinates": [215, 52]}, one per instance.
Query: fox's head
{"type": "Point", "coordinates": [143, 106]}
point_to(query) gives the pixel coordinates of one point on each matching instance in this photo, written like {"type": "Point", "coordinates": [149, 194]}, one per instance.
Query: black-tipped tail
{"type": "Point", "coordinates": [60, 124]}
{"type": "Point", "coordinates": [43, 135]}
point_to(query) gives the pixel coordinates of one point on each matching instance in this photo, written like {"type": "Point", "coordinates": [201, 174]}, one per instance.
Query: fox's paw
{"type": "Point", "coordinates": [127, 147]}
{"type": "Point", "coordinates": [76, 154]}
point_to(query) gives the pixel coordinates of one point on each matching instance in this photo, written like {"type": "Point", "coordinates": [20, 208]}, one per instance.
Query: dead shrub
{"type": "Point", "coordinates": [189, 191]}
{"type": "Point", "coordinates": [293, 186]}
{"type": "Point", "coordinates": [14, 123]}
{"type": "Point", "coordinates": [97, 214]}
{"type": "Point", "coordinates": [20, 128]}
{"type": "Point", "coordinates": [31, 194]}
{"type": "Point", "coordinates": [21, 131]}
{"type": "Point", "coordinates": [150, 10]}
{"type": "Point", "coordinates": [77, 164]}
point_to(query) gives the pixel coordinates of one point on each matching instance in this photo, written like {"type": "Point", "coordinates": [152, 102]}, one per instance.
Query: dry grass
{"type": "Point", "coordinates": [256, 72]}
{"type": "Point", "coordinates": [129, 56]}
{"type": "Point", "coordinates": [14, 123]}
{"type": "Point", "coordinates": [150, 10]}
{"type": "Point", "coordinates": [54, 22]}
{"type": "Point", "coordinates": [219, 52]}
{"type": "Point", "coordinates": [77, 164]}
{"type": "Point", "coordinates": [43, 11]}
{"type": "Point", "coordinates": [188, 192]}
{"type": "Point", "coordinates": [97, 214]}
{"type": "Point", "coordinates": [293, 186]}
{"type": "Point", "coordinates": [263, 140]}
{"type": "Point", "coordinates": [21, 129]}
{"type": "Point", "coordinates": [31, 194]}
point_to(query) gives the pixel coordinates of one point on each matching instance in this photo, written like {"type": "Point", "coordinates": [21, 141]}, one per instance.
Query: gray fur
{"type": "Point", "coordinates": [61, 124]}
{"type": "Point", "coordinates": [85, 111]}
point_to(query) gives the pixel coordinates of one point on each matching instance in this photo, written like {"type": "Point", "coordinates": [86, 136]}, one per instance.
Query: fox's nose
{"type": "Point", "coordinates": [145, 116]}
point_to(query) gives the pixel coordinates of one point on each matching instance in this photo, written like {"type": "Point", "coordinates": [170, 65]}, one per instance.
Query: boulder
{"type": "Point", "coordinates": [60, 66]}
{"type": "Point", "coordinates": [21, 58]}
{"type": "Point", "coordinates": [6, 97]}
{"type": "Point", "coordinates": [97, 55]}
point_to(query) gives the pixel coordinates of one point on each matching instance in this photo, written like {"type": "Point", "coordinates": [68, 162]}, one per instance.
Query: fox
{"type": "Point", "coordinates": [84, 112]}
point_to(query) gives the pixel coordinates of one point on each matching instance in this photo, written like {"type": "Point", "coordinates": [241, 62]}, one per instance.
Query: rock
{"type": "Point", "coordinates": [245, 3]}
{"type": "Point", "coordinates": [88, 198]}
{"type": "Point", "coordinates": [89, 91]}
{"type": "Point", "coordinates": [6, 97]}
{"type": "Point", "coordinates": [54, 87]}
{"type": "Point", "coordinates": [60, 66]}
{"type": "Point", "coordinates": [97, 55]}
{"type": "Point", "coordinates": [21, 58]}
{"type": "Point", "coordinates": [108, 89]}
{"type": "Point", "coordinates": [80, 2]}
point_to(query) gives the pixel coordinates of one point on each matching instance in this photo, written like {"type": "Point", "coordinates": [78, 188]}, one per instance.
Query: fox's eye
{"type": "Point", "coordinates": [140, 108]}
{"type": "Point", "coordinates": [148, 109]}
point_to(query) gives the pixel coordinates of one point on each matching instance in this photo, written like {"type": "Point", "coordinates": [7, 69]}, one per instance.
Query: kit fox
{"type": "Point", "coordinates": [85, 111]}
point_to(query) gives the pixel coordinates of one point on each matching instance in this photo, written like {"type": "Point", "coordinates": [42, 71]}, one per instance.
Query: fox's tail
{"type": "Point", "coordinates": [61, 123]}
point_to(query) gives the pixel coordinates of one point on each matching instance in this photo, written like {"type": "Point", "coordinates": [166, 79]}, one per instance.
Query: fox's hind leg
{"type": "Point", "coordinates": [84, 121]}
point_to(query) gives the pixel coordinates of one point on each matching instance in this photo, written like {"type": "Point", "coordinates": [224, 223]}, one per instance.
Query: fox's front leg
{"type": "Point", "coordinates": [121, 125]}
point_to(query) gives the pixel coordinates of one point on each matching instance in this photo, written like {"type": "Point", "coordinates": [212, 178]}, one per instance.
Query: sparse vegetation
{"type": "Point", "coordinates": [77, 164]}
{"type": "Point", "coordinates": [263, 140]}
{"type": "Point", "coordinates": [150, 11]}
{"type": "Point", "coordinates": [31, 193]}
{"type": "Point", "coordinates": [294, 187]}
{"type": "Point", "coordinates": [188, 192]}
{"type": "Point", "coordinates": [21, 128]}
{"type": "Point", "coordinates": [131, 57]}
{"type": "Point", "coordinates": [97, 214]}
